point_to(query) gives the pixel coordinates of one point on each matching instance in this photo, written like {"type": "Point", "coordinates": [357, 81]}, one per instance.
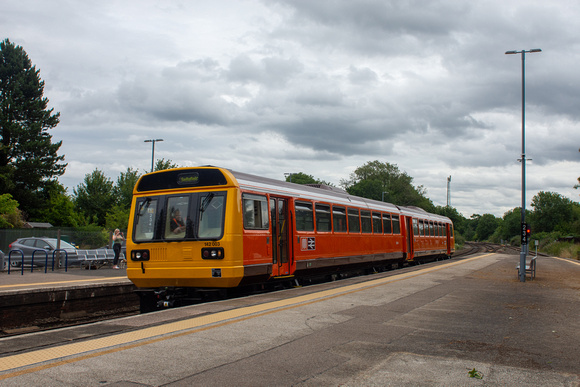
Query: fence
{"type": "Point", "coordinates": [83, 239]}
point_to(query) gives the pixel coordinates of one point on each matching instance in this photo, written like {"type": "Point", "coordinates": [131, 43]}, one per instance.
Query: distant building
{"type": "Point", "coordinates": [37, 225]}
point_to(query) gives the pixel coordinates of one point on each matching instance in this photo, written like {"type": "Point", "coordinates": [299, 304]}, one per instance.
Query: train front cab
{"type": "Point", "coordinates": [203, 255]}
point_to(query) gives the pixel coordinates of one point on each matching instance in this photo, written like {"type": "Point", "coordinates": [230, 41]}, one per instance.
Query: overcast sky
{"type": "Point", "coordinates": [320, 87]}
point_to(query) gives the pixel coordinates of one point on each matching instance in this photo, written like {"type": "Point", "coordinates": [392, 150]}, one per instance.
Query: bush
{"type": "Point", "coordinates": [563, 249]}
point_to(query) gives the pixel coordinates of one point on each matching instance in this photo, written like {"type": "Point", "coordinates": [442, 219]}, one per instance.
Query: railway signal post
{"type": "Point", "coordinates": [524, 248]}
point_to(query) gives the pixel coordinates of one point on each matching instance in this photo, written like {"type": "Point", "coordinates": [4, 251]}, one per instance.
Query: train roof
{"type": "Point", "coordinates": [168, 179]}
{"type": "Point", "coordinates": [419, 212]}
{"type": "Point", "coordinates": [322, 193]}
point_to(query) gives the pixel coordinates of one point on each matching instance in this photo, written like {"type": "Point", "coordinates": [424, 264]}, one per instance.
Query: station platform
{"type": "Point", "coordinates": [26, 280]}
{"type": "Point", "coordinates": [466, 322]}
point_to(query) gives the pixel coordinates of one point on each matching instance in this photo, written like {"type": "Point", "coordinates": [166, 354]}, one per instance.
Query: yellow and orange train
{"type": "Point", "coordinates": [210, 227]}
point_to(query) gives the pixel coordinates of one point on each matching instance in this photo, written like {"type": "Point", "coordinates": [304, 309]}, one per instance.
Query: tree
{"type": "Point", "coordinates": [552, 211]}
{"type": "Point", "coordinates": [29, 162]}
{"type": "Point", "coordinates": [10, 216]}
{"type": "Point", "coordinates": [486, 226]}
{"type": "Point", "coordinates": [94, 197]}
{"type": "Point", "coordinates": [59, 209]}
{"type": "Point", "coordinates": [123, 190]}
{"type": "Point", "coordinates": [377, 180]}
{"type": "Point", "coordinates": [512, 224]}
{"type": "Point", "coordinates": [163, 164]}
{"type": "Point", "coordinates": [302, 178]}
{"type": "Point", "coordinates": [117, 217]}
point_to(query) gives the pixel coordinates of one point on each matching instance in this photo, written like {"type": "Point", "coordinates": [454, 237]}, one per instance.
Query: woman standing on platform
{"type": "Point", "coordinates": [118, 239]}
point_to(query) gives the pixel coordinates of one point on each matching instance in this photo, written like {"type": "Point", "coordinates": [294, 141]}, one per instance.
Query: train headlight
{"type": "Point", "coordinates": [212, 253]}
{"type": "Point", "coordinates": [140, 255]}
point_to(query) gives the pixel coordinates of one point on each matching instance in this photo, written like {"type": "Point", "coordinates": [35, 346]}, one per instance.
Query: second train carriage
{"type": "Point", "coordinates": [210, 227]}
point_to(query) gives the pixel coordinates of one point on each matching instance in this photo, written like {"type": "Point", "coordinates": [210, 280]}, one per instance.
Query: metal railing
{"type": "Point", "coordinates": [22, 263]}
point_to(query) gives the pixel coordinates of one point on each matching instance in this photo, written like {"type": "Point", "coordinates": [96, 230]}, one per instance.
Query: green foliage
{"type": "Point", "coordinates": [162, 164]}
{"type": "Point", "coordinates": [302, 178]}
{"type": "Point", "coordinates": [10, 215]}
{"type": "Point", "coordinates": [94, 198]}
{"type": "Point", "coordinates": [475, 374]}
{"type": "Point", "coordinates": [377, 180]}
{"type": "Point", "coordinates": [117, 217]}
{"type": "Point", "coordinates": [486, 226]}
{"type": "Point", "coordinates": [59, 209]}
{"type": "Point", "coordinates": [29, 163]}
{"type": "Point", "coordinates": [91, 237]}
{"type": "Point", "coordinates": [553, 211]}
{"type": "Point", "coordinates": [123, 190]}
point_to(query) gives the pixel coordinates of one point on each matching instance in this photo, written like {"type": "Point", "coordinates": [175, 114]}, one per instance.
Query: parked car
{"type": "Point", "coordinates": [48, 245]}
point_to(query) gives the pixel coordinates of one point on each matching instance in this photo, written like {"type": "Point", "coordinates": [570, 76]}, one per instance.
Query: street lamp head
{"type": "Point", "coordinates": [523, 51]}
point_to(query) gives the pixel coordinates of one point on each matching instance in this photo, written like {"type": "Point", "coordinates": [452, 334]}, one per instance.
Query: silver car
{"type": "Point", "coordinates": [41, 248]}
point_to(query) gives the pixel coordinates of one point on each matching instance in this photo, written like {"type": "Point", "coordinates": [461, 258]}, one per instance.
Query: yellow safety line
{"type": "Point", "coordinates": [567, 260]}
{"type": "Point", "coordinates": [61, 282]}
{"type": "Point", "coordinates": [167, 331]}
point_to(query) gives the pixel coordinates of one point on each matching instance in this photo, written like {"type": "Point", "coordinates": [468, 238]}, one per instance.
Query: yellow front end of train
{"type": "Point", "coordinates": [185, 230]}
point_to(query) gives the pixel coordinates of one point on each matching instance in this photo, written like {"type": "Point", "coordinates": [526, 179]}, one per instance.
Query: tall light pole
{"type": "Point", "coordinates": [448, 191]}
{"type": "Point", "coordinates": [153, 150]}
{"type": "Point", "coordinates": [523, 251]}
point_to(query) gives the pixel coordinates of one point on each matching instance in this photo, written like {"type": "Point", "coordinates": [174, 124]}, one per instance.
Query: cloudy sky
{"type": "Point", "coordinates": [321, 87]}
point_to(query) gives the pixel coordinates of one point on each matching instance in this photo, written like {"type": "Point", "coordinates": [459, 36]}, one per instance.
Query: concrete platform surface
{"type": "Point", "coordinates": [38, 279]}
{"type": "Point", "coordinates": [434, 325]}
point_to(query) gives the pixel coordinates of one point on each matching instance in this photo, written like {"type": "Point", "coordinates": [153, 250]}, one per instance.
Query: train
{"type": "Point", "coordinates": [211, 228]}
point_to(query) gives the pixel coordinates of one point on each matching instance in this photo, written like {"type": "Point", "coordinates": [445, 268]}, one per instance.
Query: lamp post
{"type": "Point", "coordinates": [448, 191]}
{"type": "Point", "coordinates": [523, 251]}
{"type": "Point", "coordinates": [153, 141]}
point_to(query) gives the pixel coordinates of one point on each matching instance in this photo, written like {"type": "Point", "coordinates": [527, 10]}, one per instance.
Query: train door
{"type": "Point", "coordinates": [280, 232]}
{"type": "Point", "coordinates": [410, 237]}
{"type": "Point", "coordinates": [449, 231]}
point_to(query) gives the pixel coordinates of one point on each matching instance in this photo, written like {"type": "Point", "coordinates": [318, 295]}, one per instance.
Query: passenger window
{"type": "Point", "coordinates": [145, 219]}
{"type": "Point", "coordinates": [255, 212]}
{"type": "Point", "coordinates": [366, 222]}
{"type": "Point", "coordinates": [339, 219]}
{"type": "Point", "coordinates": [377, 226]}
{"type": "Point", "coordinates": [387, 223]}
{"type": "Point", "coordinates": [353, 220]}
{"type": "Point", "coordinates": [304, 216]}
{"type": "Point", "coordinates": [415, 227]}
{"type": "Point", "coordinates": [175, 222]}
{"type": "Point", "coordinates": [323, 218]}
{"type": "Point", "coordinates": [396, 225]}
{"type": "Point", "coordinates": [431, 229]}
{"type": "Point", "coordinates": [421, 228]}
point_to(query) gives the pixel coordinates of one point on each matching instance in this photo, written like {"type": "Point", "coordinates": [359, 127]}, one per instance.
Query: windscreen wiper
{"type": "Point", "coordinates": [206, 201]}
{"type": "Point", "coordinates": [143, 203]}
